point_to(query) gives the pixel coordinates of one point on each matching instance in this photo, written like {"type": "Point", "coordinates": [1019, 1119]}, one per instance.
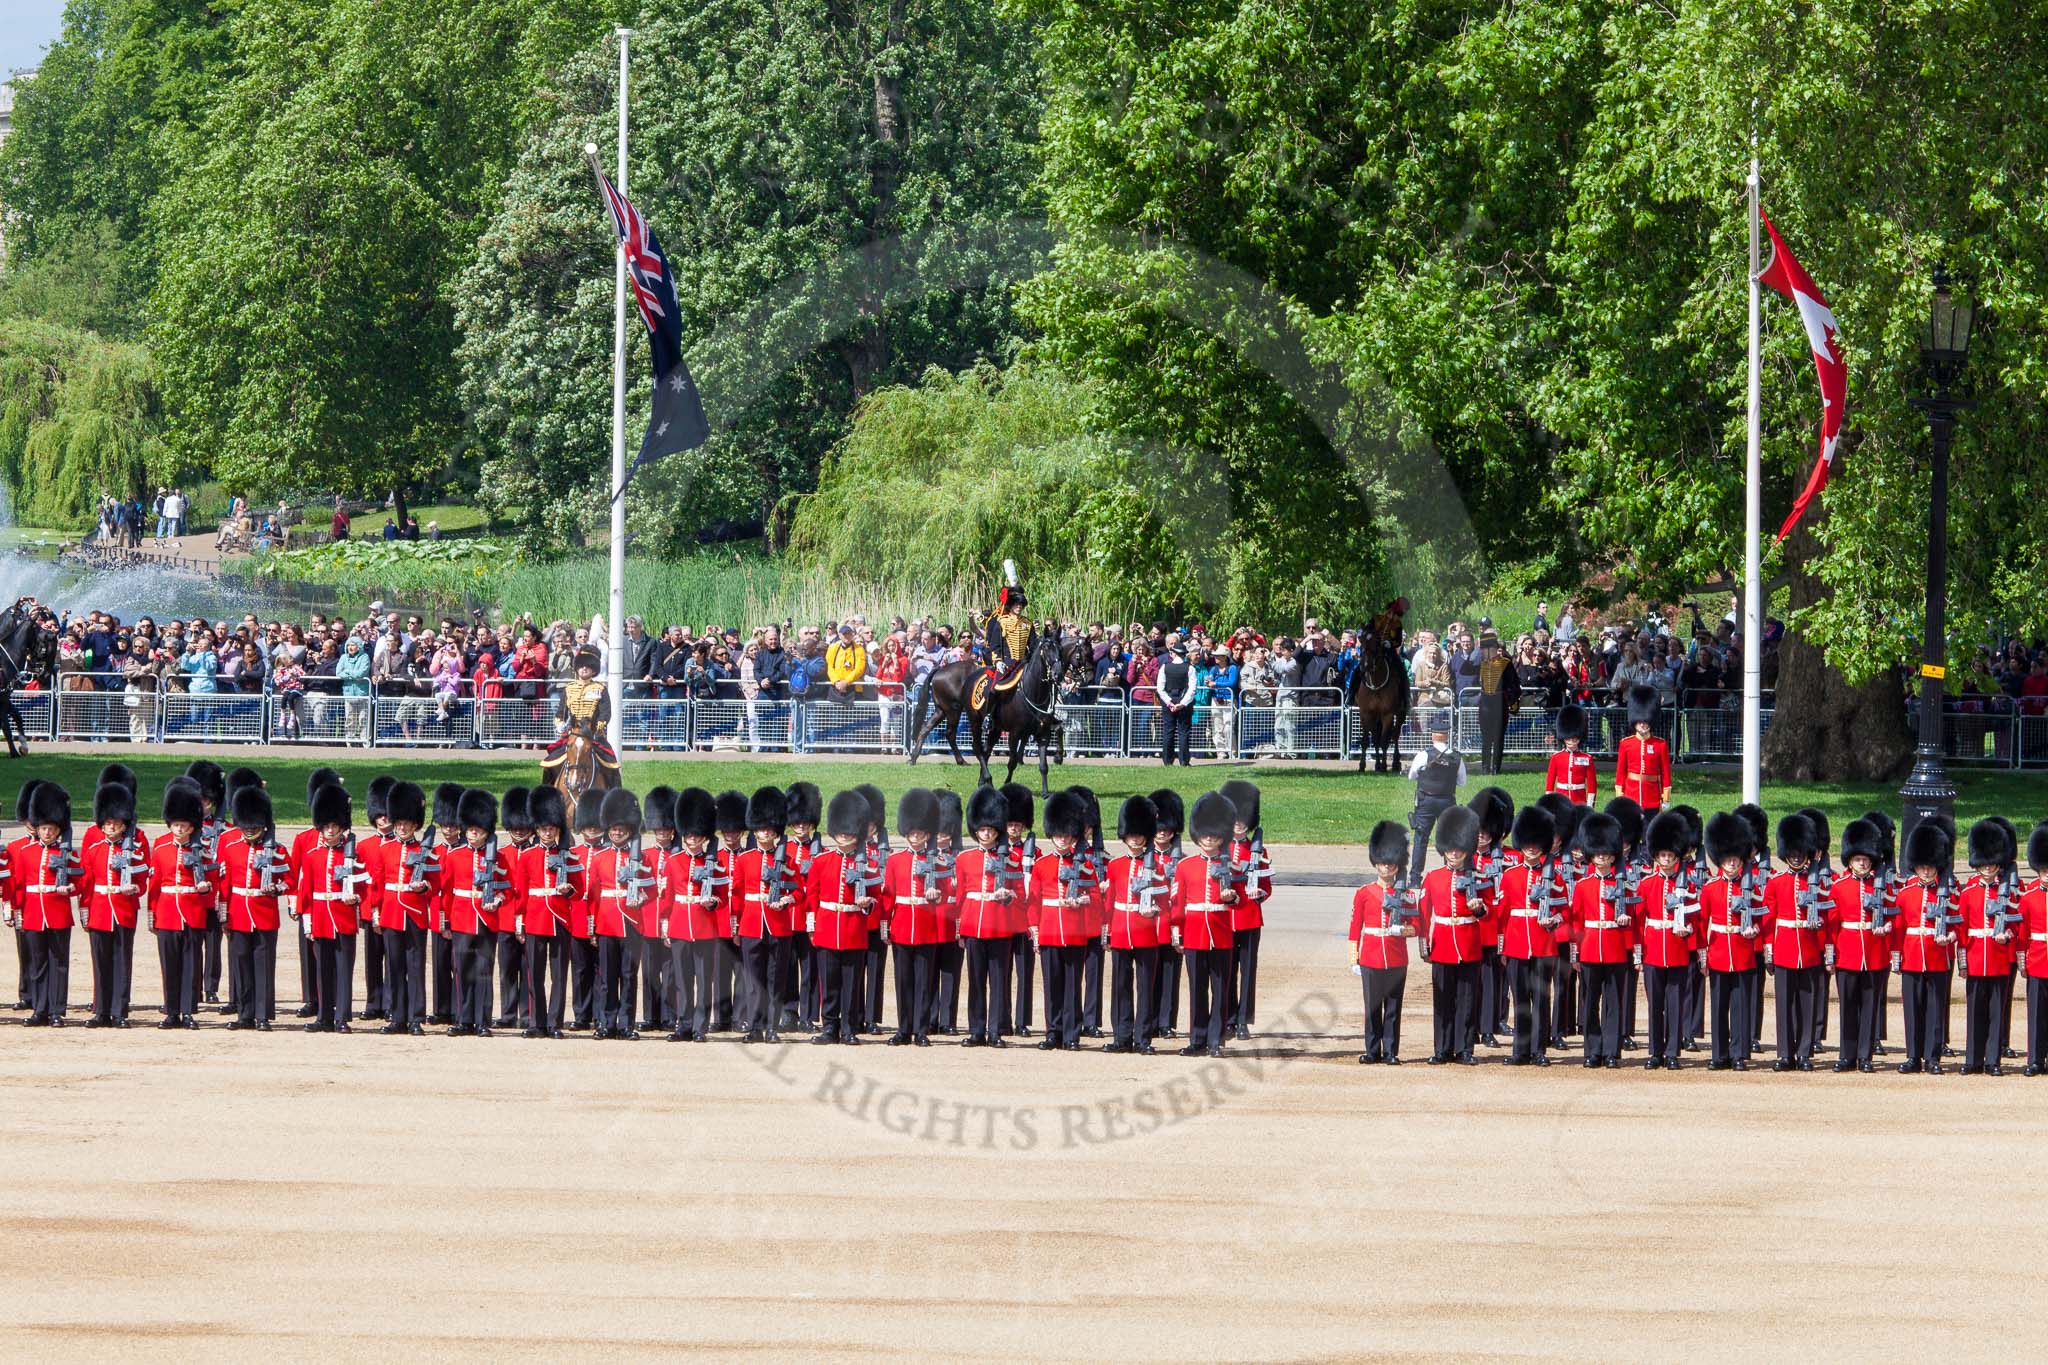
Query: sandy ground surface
{"type": "Point", "coordinates": [250, 1196]}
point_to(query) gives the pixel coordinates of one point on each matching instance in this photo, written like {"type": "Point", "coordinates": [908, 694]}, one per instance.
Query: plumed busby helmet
{"type": "Point", "coordinates": [547, 807]}
{"type": "Point", "coordinates": [1929, 845]}
{"type": "Point", "coordinates": [1643, 706]}
{"type": "Point", "coordinates": [620, 807]}
{"type": "Point", "coordinates": [1213, 817]}
{"type": "Point", "coordinates": [212, 781]}
{"type": "Point", "coordinates": [182, 802]}
{"type": "Point", "coordinates": [1388, 844]}
{"type": "Point", "coordinates": [1533, 828]}
{"type": "Point", "coordinates": [586, 657]}
{"type": "Point", "coordinates": [1017, 797]}
{"type": "Point", "coordinates": [1759, 826]}
{"type": "Point", "coordinates": [377, 800]}
{"type": "Point", "coordinates": [330, 806]}
{"type": "Point", "coordinates": [447, 807]}
{"type": "Point", "coordinates": [1137, 818]}
{"type": "Point", "coordinates": [406, 801]}
{"type": "Point", "coordinates": [1011, 594]}
{"type": "Point", "coordinates": [1860, 836]}
{"type": "Point", "coordinates": [318, 778]}
{"type": "Point", "coordinates": [515, 809]}
{"type": "Point", "coordinates": [1172, 814]}
{"type": "Point", "coordinates": [1245, 797]}
{"type": "Point", "coordinates": [1496, 812]}
{"type": "Point", "coordinates": [949, 813]}
{"type": "Point", "coordinates": [696, 813]}
{"type": "Point", "coordinates": [806, 803]}
{"type": "Point", "coordinates": [768, 808]}
{"type": "Point", "coordinates": [1991, 844]}
{"type": "Point", "coordinates": [2037, 847]}
{"type": "Point", "coordinates": [1728, 836]}
{"type": "Point", "coordinates": [917, 811]}
{"type": "Point", "coordinates": [1457, 828]}
{"type": "Point", "coordinates": [986, 809]}
{"type": "Point", "coordinates": [847, 815]}
{"type": "Point", "coordinates": [1600, 833]}
{"type": "Point", "coordinates": [1066, 815]}
{"type": "Point", "coordinates": [250, 808]}
{"type": "Point", "coordinates": [1571, 722]}
{"type": "Point", "coordinates": [113, 801]}
{"type": "Point", "coordinates": [589, 809]}
{"type": "Point", "coordinates": [729, 811]}
{"type": "Point", "coordinates": [23, 797]}
{"type": "Point", "coordinates": [659, 811]}
{"type": "Point", "coordinates": [120, 774]}
{"type": "Point", "coordinates": [1797, 838]}
{"type": "Point", "coordinates": [478, 809]}
{"type": "Point", "coordinates": [1629, 815]}
{"type": "Point", "coordinates": [1668, 833]}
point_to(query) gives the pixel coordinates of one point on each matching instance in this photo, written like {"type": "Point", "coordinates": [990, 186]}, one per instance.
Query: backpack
{"type": "Point", "coordinates": [799, 677]}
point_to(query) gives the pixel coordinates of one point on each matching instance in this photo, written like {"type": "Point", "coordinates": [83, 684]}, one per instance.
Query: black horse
{"type": "Point", "coordinates": [28, 648]}
{"type": "Point", "coordinates": [1025, 712]}
{"type": "Point", "coordinates": [1379, 691]}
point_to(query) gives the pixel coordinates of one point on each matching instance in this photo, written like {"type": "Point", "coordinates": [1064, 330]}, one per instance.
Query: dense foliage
{"type": "Point", "coordinates": [79, 415]}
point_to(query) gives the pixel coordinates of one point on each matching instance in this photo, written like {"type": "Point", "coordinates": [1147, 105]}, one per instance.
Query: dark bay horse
{"type": "Point", "coordinates": [579, 770]}
{"type": "Point", "coordinates": [27, 650]}
{"type": "Point", "coordinates": [1026, 712]}
{"type": "Point", "coordinates": [1379, 691]}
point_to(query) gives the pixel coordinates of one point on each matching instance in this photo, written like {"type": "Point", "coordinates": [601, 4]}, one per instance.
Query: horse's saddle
{"type": "Point", "coordinates": [988, 683]}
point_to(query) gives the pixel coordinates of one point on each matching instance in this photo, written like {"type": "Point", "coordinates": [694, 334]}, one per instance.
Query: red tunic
{"type": "Point", "coordinates": [1133, 920]}
{"type": "Point", "coordinates": [1791, 945]}
{"type": "Point", "coordinates": [173, 904]}
{"type": "Point", "coordinates": [547, 900]}
{"type": "Point", "coordinates": [837, 920]}
{"type": "Point", "coordinates": [1375, 941]}
{"type": "Point", "coordinates": [106, 905]}
{"type": "Point", "coordinates": [1603, 929]}
{"type": "Point", "coordinates": [395, 906]}
{"type": "Point", "coordinates": [1642, 769]}
{"type": "Point", "coordinates": [327, 878]}
{"type": "Point", "coordinates": [913, 919]}
{"type": "Point", "coordinates": [986, 904]}
{"type": "Point", "coordinates": [1858, 946]}
{"type": "Point", "coordinates": [1923, 945]}
{"type": "Point", "coordinates": [760, 916]}
{"type": "Point", "coordinates": [369, 848]}
{"type": "Point", "coordinates": [1258, 885]}
{"type": "Point", "coordinates": [1659, 919]}
{"type": "Point", "coordinates": [1451, 918]}
{"type": "Point", "coordinates": [1521, 935]}
{"type": "Point", "coordinates": [1573, 775]}
{"type": "Point", "coordinates": [34, 872]}
{"type": "Point", "coordinates": [691, 912]}
{"type": "Point", "coordinates": [611, 896]}
{"type": "Point", "coordinates": [2034, 908]}
{"type": "Point", "coordinates": [1984, 952]}
{"type": "Point", "coordinates": [250, 906]}
{"type": "Point", "coordinates": [1198, 909]}
{"type": "Point", "coordinates": [1068, 912]}
{"type": "Point", "coordinates": [1728, 948]}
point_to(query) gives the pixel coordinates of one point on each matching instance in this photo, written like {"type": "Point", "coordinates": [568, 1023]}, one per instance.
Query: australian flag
{"type": "Point", "coordinates": [678, 421]}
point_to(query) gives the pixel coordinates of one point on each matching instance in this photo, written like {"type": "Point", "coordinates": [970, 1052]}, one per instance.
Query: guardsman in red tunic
{"type": "Point", "coordinates": [475, 882]}
{"type": "Point", "coordinates": [915, 890]}
{"type": "Point", "coordinates": [329, 893]}
{"type": "Point", "coordinates": [1490, 859]}
{"type": "Point", "coordinates": [1862, 929]}
{"type": "Point", "coordinates": [548, 875]}
{"type": "Point", "coordinates": [1452, 907]}
{"type": "Point", "coordinates": [689, 925]}
{"type": "Point", "coordinates": [589, 818]}
{"type": "Point", "coordinates": [804, 805]}
{"type": "Point", "coordinates": [1065, 895]}
{"type": "Point", "coordinates": [7, 891]}
{"type": "Point", "coordinates": [1383, 918]}
{"type": "Point", "coordinates": [377, 988]}
{"type": "Point", "coordinates": [1166, 853]}
{"type": "Point", "coordinates": [256, 873]}
{"type": "Point", "coordinates": [1797, 899]}
{"type": "Point", "coordinates": [2034, 925]}
{"type": "Point", "coordinates": [1735, 924]}
{"type": "Point", "coordinates": [181, 881]}
{"type": "Point", "coordinates": [1928, 921]}
{"type": "Point", "coordinates": [987, 902]}
{"type": "Point", "coordinates": [1642, 762]}
{"type": "Point", "coordinates": [1023, 846]}
{"type": "Point", "coordinates": [727, 1005]}
{"type": "Point", "coordinates": [309, 977]}
{"type": "Point", "coordinates": [1990, 935]}
{"type": "Point", "coordinates": [771, 900]}
{"type": "Point", "coordinates": [1672, 931]}
{"type": "Point", "coordinates": [1572, 773]}
{"type": "Point", "coordinates": [213, 791]}
{"type": "Point", "coordinates": [406, 880]}
{"type": "Point", "coordinates": [838, 906]}
{"type": "Point", "coordinates": [116, 875]}
{"type": "Point", "coordinates": [1247, 917]}
{"type": "Point", "coordinates": [1135, 896]}
{"type": "Point", "coordinates": [46, 882]}
{"type": "Point", "coordinates": [949, 954]}
{"type": "Point", "coordinates": [515, 825]}
{"type": "Point", "coordinates": [619, 890]}
{"type": "Point", "coordinates": [1603, 922]}
{"type": "Point", "coordinates": [1203, 895]}
{"type": "Point", "coordinates": [1531, 907]}
{"type": "Point", "coordinates": [658, 845]}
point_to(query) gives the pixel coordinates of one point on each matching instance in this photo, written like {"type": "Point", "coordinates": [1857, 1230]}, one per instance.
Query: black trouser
{"type": "Point", "coordinates": [210, 941]}
{"type": "Point", "coordinates": [105, 945]}
{"type": "Point", "coordinates": [376, 999]}
{"type": "Point", "coordinates": [1984, 1020]}
{"type": "Point", "coordinates": [542, 1007]}
{"type": "Point", "coordinates": [1527, 979]}
{"type": "Point", "coordinates": [1564, 997]}
{"type": "Point", "coordinates": [447, 991]}
{"type": "Point", "coordinates": [1489, 989]}
{"type": "Point", "coordinates": [1924, 996]}
{"type": "Point", "coordinates": [1756, 1007]}
{"type": "Point", "coordinates": [1695, 1002]}
{"type": "Point", "coordinates": [124, 969]}
{"type": "Point", "coordinates": [682, 979]}
{"type": "Point", "coordinates": [1603, 982]}
{"type": "Point", "coordinates": [558, 976]}
{"type": "Point", "coordinates": [21, 967]}
{"type": "Point", "coordinates": [402, 977]}
{"type": "Point", "coordinates": [1422, 820]}
{"type": "Point", "coordinates": [839, 973]}
{"type": "Point", "coordinates": [1244, 979]}
{"type": "Point", "coordinates": [1208, 985]}
{"type": "Point", "coordinates": [49, 965]}
{"type": "Point", "coordinates": [309, 972]}
{"type": "Point", "coordinates": [1062, 973]}
{"type": "Point", "coordinates": [1860, 992]}
{"type": "Point", "coordinates": [800, 984]}
{"type": "Point", "coordinates": [1166, 991]}
{"type": "Point", "coordinates": [1733, 1023]}
{"type": "Point", "coordinates": [583, 971]}
{"type": "Point", "coordinates": [657, 988]}
{"type": "Point", "coordinates": [1384, 987]}
{"type": "Point", "coordinates": [1025, 959]}
{"type": "Point", "coordinates": [1629, 984]}
{"type": "Point", "coordinates": [253, 957]}
{"type": "Point", "coordinates": [2037, 1020]}
{"type": "Point", "coordinates": [614, 1003]}
{"type": "Point", "coordinates": [727, 960]}
{"type": "Point", "coordinates": [764, 1001]}
{"type": "Point", "coordinates": [874, 980]}
{"type": "Point", "coordinates": [511, 967]}
{"type": "Point", "coordinates": [629, 978]}
{"type": "Point", "coordinates": [1091, 985]}
{"type": "Point", "coordinates": [2005, 1025]}
{"type": "Point", "coordinates": [988, 986]}
{"type": "Point", "coordinates": [1493, 732]}
{"type": "Point", "coordinates": [946, 998]}
{"type": "Point", "coordinates": [1176, 738]}
{"type": "Point", "coordinates": [474, 955]}
{"type": "Point", "coordinates": [172, 948]}
{"type": "Point", "coordinates": [1667, 1009]}
{"type": "Point", "coordinates": [1131, 986]}
{"type": "Point", "coordinates": [916, 980]}
{"type": "Point", "coordinates": [336, 959]}
{"type": "Point", "coordinates": [1454, 1006]}
{"type": "Point", "coordinates": [1799, 997]}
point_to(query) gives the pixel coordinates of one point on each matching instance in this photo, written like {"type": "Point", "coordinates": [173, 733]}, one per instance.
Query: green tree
{"type": "Point", "coordinates": [80, 416]}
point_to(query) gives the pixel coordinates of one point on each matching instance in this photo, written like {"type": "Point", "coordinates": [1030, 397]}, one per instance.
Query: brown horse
{"type": "Point", "coordinates": [579, 769]}
{"type": "Point", "coordinates": [1379, 691]}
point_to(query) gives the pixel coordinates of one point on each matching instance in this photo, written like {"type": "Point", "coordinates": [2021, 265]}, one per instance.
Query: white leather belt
{"type": "Point", "coordinates": [252, 891]}
{"type": "Point", "coordinates": [117, 891]}
{"type": "Point", "coordinates": [843, 907]}
{"type": "Point", "coordinates": [1983, 933]}
{"type": "Point", "coordinates": [48, 890]}
{"type": "Point", "coordinates": [1526, 912]}
{"type": "Point", "coordinates": [985, 895]}
{"type": "Point", "coordinates": [760, 897]}
{"type": "Point", "coordinates": [1455, 920]}
{"type": "Point", "coordinates": [1603, 924]}
{"type": "Point", "coordinates": [1208, 908]}
{"type": "Point", "coordinates": [1724, 928]}
{"type": "Point", "coordinates": [693, 900]}
{"type": "Point", "coordinates": [1382, 933]}
{"type": "Point", "coordinates": [317, 895]}
{"type": "Point", "coordinates": [473, 895]}
{"type": "Point", "coordinates": [1920, 931]}
{"type": "Point", "coordinates": [547, 891]}
{"type": "Point", "coordinates": [171, 891]}
{"type": "Point", "coordinates": [1571, 786]}
{"type": "Point", "coordinates": [1861, 925]}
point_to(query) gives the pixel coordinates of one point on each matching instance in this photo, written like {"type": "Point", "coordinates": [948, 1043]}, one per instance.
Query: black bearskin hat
{"type": "Point", "coordinates": [447, 809]}
{"type": "Point", "coordinates": [123, 775]}
{"type": "Point", "coordinates": [1668, 833]}
{"type": "Point", "coordinates": [1929, 845]}
{"type": "Point", "coordinates": [1533, 828]}
{"type": "Point", "coordinates": [182, 802]}
{"type": "Point", "coordinates": [949, 814]}
{"type": "Point", "coordinates": [589, 809]}
{"type": "Point", "coordinates": [1600, 833]}
{"type": "Point", "coordinates": [1066, 814]}
{"type": "Point", "coordinates": [2037, 847]}
{"type": "Point", "coordinates": [113, 801]}
{"type": "Point", "coordinates": [24, 796]}
{"type": "Point", "coordinates": [1213, 817]}
{"type": "Point", "coordinates": [918, 810]}
{"type": "Point", "coordinates": [318, 778]}
{"type": "Point", "coordinates": [1172, 814]}
{"type": "Point", "coordinates": [1797, 838]}
{"type": "Point", "coordinates": [1759, 826]}
{"type": "Point", "coordinates": [768, 808]}
{"type": "Point", "coordinates": [377, 800]}
{"type": "Point", "coordinates": [1991, 844]}
{"type": "Point", "coordinates": [1728, 836]}
{"type": "Point", "coordinates": [1643, 706]}
{"type": "Point", "coordinates": [696, 813]}
{"type": "Point", "coordinates": [1629, 816]}
{"type": "Point", "coordinates": [546, 807]}
{"type": "Point", "coordinates": [620, 807]}
{"type": "Point", "coordinates": [1496, 812]}
{"type": "Point", "coordinates": [1017, 797]}
{"type": "Point", "coordinates": [478, 809]}
{"type": "Point", "coordinates": [1823, 840]}
{"type": "Point", "coordinates": [806, 804]}
{"type": "Point", "coordinates": [1457, 828]}
{"type": "Point", "coordinates": [659, 810]}
{"type": "Point", "coordinates": [986, 809]}
{"type": "Point", "coordinates": [847, 815]}
{"type": "Point", "coordinates": [251, 809]}
{"type": "Point", "coordinates": [1388, 844]}
{"type": "Point", "coordinates": [1571, 722]}
{"type": "Point", "coordinates": [730, 811]}
{"type": "Point", "coordinates": [1865, 838]}
{"type": "Point", "coordinates": [406, 801]}
{"type": "Point", "coordinates": [1137, 818]}
{"type": "Point", "coordinates": [878, 804]}
{"type": "Point", "coordinates": [330, 806]}
{"type": "Point", "coordinates": [1245, 797]}
{"type": "Point", "coordinates": [212, 781]}
{"type": "Point", "coordinates": [515, 809]}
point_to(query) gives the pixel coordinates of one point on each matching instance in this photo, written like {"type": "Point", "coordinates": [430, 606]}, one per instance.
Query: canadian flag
{"type": "Point", "coordinates": [1789, 278]}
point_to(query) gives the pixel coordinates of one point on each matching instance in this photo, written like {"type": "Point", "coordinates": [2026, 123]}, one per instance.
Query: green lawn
{"type": "Point", "coordinates": [1301, 805]}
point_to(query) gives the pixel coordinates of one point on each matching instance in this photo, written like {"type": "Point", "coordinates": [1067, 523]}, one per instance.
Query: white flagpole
{"type": "Point", "coordinates": [615, 636]}
{"type": "Point", "coordinates": [1752, 575]}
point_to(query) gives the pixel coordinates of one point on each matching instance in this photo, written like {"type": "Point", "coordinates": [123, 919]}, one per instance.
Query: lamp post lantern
{"type": "Point", "coordinates": [1928, 791]}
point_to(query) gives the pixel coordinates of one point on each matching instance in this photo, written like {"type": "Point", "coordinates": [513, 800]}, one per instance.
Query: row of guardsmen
{"type": "Point", "coordinates": [1545, 922]}
{"type": "Point", "coordinates": [728, 913]}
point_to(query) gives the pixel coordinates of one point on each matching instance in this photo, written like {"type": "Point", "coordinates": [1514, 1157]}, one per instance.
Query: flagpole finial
{"type": "Point", "coordinates": [590, 149]}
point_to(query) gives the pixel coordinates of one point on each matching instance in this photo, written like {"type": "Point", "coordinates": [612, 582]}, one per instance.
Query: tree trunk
{"type": "Point", "coordinates": [868, 351]}
{"type": "Point", "coordinates": [398, 507]}
{"type": "Point", "coordinates": [1826, 729]}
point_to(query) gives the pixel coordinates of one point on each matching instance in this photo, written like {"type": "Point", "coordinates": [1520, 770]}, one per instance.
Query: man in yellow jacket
{"type": "Point", "coordinates": [846, 665]}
